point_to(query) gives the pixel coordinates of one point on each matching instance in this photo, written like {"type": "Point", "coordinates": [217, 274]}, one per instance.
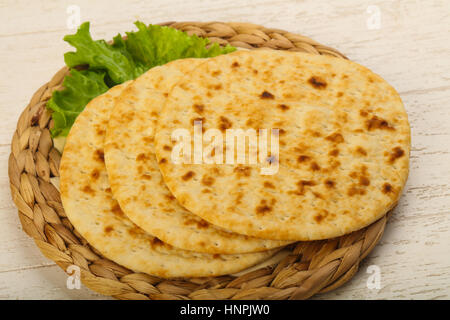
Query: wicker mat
{"type": "Point", "coordinates": [311, 267]}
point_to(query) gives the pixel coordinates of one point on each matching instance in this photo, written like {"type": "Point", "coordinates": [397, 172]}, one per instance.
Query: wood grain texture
{"type": "Point", "coordinates": [410, 50]}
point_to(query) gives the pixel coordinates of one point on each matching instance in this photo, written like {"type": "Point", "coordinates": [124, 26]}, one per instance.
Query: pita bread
{"type": "Point", "coordinates": [344, 143]}
{"type": "Point", "coordinates": [136, 181]}
{"type": "Point", "coordinates": [88, 203]}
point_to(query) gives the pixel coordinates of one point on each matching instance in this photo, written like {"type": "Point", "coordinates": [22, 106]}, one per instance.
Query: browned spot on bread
{"type": "Point", "coordinates": [335, 138]}
{"type": "Point", "coordinates": [317, 195]}
{"type": "Point", "coordinates": [188, 176]}
{"type": "Point", "coordinates": [142, 157]}
{"type": "Point", "coordinates": [162, 161]}
{"type": "Point", "coordinates": [329, 183]}
{"type": "Point", "coordinates": [95, 174]}
{"type": "Point", "coordinates": [334, 153]}
{"type": "Point", "coordinates": [166, 94]}
{"type": "Point", "coordinates": [263, 208]}
{"type": "Point", "coordinates": [268, 184]}
{"type": "Point", "coordinates": [334, 163]}
{"type": "Point", "coordinates": [267, 95]}
{"type": "Point", "coordinates": [108, 229]}
{"type": "Point", "coordinates": [198, 108]}
{"type": "Point", "coordinates": [135, 231]}
{"type": "Point", "coordinates": [216, 73]}
{"type": "Point", "coordinates": [208, 180]}
{"type": "Point", "coordinates": [169, 196]}
{"type": "Point", "coordinates": [167, 148]}
{"type": "Point", "coordinates": [301, 186]}
{"type": "Point", "coordinates": [216, 256]}
{"type": "Point", "coordinates": [206, 191]}
{"type": "Point", "coordinates": [315, 166]}
{"type": "Point", "coordinates": [87, 189]}
{"type": "Point", "coordinates": [235, 64]}
{"type": "Point", "coordinates": [363, 113]}
{"type": "Point", "coordinates": [319, 217]}
{"type": "Point", "coordinates": [283, 107]}
{"type": "Point", "coordinates": [255, 71]}
{"type": "Point", "coordinates": [108, 190]}
{"type": "Point", "coordinates": [129, 115]}
{"type": "Point", "coordinates": [155, 242]}
{"type": "Point", "coordinates": [100, 131]}
{"type": "Point", "coordinates": [364, 181]}
{"type": "Point", "coordinates": [147, 139]}
{"type": "Point", "coordinates": [317, 82]}
{"type": "Point", "coordinates": [281, 132]}
{"type": "Point", "coordinates": [217, 171]}
{"type": "Point", "coordinates": [303, 158]}
{"type": "Point", "coordinates": [387, 188]}
{"type": "Point", "coordinates": [243, 171]}
{"type": "Point", "coordinates": [361, 151]}
{"type": "Point", "coordinates": [201, 224]}
{"type": "Point", "coordinates": [217, 86]}
{"type": "Point", "coordinates": [224, 123]}
{"type": "Point", "coordinates": [146, 177]}
{"type": "Point", "coordinates": [184, 86]}
{"type": "Point", "coordinates": [339, 94]}
{"type": "Point", "coordinates": [117, 210]}
{"type": "Point", "coordinates": [239, 197]}
{"type": "Point", "coordinates": [396, 153]}
{"type": "Point", "coordinates": [378, 123]}
{"type": "Point", "coordinates": [354, 190]}
{"type": "Point", "coordinates": [99, 155]}
{"type": "Point", "coordinates": [316, 134]}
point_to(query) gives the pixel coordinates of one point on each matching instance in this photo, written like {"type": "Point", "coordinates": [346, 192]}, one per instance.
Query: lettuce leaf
{"type": "Point", "coordinates": [112, 64]}
{"type": "Point", "coordinates": [80, 88]}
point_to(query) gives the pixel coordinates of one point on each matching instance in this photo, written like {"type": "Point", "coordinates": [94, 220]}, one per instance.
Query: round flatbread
{"type": "Point", "coordinates": [136, 181]}
{"type": "Point", "coordinates": [88, 203]}
{"type": "Point", "coordinates": [343, 138]}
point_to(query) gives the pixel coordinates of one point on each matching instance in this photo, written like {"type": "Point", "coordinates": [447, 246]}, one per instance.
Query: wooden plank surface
{"type": "Point", "coordinates": [409, 47]}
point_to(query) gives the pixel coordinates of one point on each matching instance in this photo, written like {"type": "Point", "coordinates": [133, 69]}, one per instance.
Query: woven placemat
{"type": "Point", "coordinates": [311, 267]}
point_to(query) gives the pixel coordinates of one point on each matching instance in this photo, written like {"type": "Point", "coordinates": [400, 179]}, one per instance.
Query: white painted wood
{"type": "Point", "coordinates": [411, 50]}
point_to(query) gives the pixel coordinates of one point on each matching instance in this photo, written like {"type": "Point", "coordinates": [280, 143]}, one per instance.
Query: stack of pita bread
{"type": "Point", "coordinates": [343, 159]}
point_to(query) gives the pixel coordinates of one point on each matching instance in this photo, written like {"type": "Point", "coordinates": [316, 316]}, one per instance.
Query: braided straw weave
{"type": "Point", "coordinates": [311, 267]}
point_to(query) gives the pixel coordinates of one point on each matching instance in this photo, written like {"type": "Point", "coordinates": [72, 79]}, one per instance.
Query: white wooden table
{"type": "Point", "coordinates": [407, 42]}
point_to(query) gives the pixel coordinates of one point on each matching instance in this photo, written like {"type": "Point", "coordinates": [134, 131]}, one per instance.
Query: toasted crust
{"type": "Point", "coordinates": [136, 181]}
{"type": "Point", "coordinates": [88, 202]}
{"type": "Point", "coordinates": [344, 143]}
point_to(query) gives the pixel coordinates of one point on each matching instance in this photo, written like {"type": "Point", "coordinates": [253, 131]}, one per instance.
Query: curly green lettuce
{"type": "Point", "coordinates": [106, 65]}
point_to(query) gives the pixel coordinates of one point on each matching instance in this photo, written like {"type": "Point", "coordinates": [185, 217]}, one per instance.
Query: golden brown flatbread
{"type": "Point", "coordinates": [344, 143]}
{"type": "Point", "coordinates": [91, 208]}
{"type": "Point", "coordinates": [136, 181]}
